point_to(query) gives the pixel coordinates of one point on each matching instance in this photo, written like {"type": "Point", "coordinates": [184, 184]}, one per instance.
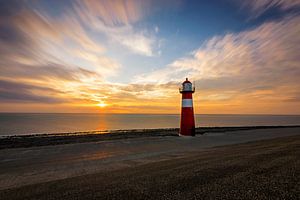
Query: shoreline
{"type": "Point", "coordinates": [45, 139]}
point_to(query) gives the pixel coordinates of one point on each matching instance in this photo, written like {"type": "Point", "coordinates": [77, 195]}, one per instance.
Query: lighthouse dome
{"type": "Point", "coordinates": [186, 81]}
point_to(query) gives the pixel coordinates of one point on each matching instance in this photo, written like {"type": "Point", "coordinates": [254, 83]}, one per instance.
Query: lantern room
{"type": "Point", "coordinates": [187, 86]}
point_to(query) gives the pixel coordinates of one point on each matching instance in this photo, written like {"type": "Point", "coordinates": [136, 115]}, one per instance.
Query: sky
{"type": "Point", "coordinates": [118, 56]}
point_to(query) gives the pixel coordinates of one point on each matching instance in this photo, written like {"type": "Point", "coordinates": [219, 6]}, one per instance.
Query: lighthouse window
{"type": "Point", "coordinates": [188, 86]}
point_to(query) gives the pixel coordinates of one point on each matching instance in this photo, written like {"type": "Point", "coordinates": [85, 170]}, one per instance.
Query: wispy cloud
{"type": "Point", "coordinates": [36, 49]}
{"type": "Point", "coordinates": [114, 13]}
{"type": "Point", "coordinates": [258, 7]}
{"type": "Point", "coordinates": [51, 60]}
{"type": "Point", "coordinates": [258, 63]}
{"type": "Point", "coordinates": [18, 92]}
{"type": "Point", "coordinates": [115, 19]}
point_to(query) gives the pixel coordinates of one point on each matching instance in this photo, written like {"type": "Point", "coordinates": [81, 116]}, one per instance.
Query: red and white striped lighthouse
{"type": "Point", "coordinates": [187, 122]}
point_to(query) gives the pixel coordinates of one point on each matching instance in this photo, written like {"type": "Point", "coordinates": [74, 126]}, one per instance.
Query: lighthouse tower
{"type": "Point", "coordinates": [187, 122]}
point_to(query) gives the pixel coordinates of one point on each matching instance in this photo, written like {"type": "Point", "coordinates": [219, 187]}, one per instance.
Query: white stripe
{"type": "Point", "coordinates": [187, 103]}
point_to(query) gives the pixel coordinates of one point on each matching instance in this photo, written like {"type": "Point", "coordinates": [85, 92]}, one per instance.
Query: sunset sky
{"type": "Point", "coordinates": [131, 56]}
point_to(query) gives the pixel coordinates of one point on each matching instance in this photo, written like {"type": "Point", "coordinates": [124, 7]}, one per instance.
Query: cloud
{"type": "Point", "coordinates": [115, 19]}
{"type": "Point", "coordinates": [38, 50]}
{"type": "Point", "coordinates": [25, 93]}
{"type": "Point", "coordinates": [118, 12]}
{"type": "Point", "coordinates": [41, 38]}
{"type": "Point", "coordinates": [137, 42]}
{"type": "Point", "coordinates": [257, 8]}
{"type": "Point", "coordinates": [265, 58]}
{"type": "Point", "coordinates": [58, 60]}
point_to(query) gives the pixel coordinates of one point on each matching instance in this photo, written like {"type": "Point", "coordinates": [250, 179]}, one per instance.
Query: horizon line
{"type": "Point", "coordinates": [145, 113]}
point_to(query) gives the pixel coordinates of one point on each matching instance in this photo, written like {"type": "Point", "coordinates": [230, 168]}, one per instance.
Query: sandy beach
{"type": "Point", "coordinates": [224, 164]}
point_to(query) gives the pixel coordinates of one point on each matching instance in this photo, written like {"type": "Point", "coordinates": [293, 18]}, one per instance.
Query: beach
{"type": "Point", "coordinates": [218, 163]}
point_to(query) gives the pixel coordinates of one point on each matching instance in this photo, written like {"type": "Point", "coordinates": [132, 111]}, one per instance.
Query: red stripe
{"type": "Point", "coordinates": [187, 95]}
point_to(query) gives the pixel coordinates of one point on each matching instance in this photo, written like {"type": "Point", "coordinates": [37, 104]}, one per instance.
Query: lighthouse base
{"type": "Point", "coordinates": [186, 136]}
{"type": "Point", "coordinates": [187, 132]}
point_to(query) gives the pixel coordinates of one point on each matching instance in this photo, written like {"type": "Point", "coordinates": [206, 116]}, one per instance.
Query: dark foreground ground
{"type": "Point", "coordinates": [266, 169]}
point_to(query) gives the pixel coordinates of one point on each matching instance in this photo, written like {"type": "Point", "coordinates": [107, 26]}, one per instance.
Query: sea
{"type": "Point", "coordinates": [45, 123]}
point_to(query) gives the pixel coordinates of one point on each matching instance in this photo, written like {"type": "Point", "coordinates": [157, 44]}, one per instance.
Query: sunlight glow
{"type": "Point", "coordinates": [102, 104]}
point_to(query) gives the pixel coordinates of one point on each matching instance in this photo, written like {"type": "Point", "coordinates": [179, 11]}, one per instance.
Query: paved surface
{"type": "Point", "coordinates": [24, 166]}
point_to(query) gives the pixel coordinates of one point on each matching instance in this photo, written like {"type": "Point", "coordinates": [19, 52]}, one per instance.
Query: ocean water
{"type": "Point", "coordinates": [33, 123]}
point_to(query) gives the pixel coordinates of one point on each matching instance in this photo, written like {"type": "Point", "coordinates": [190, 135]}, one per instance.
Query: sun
{"type": "Point", "coordinates": [102, 105]}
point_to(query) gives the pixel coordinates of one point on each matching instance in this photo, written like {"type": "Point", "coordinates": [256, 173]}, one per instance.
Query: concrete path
{"type": "Point", "coordinates": [23, 166]}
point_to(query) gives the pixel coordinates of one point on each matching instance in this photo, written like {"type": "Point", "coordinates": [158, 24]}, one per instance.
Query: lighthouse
{"type": "Point", "coordinates": [187, 121]}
